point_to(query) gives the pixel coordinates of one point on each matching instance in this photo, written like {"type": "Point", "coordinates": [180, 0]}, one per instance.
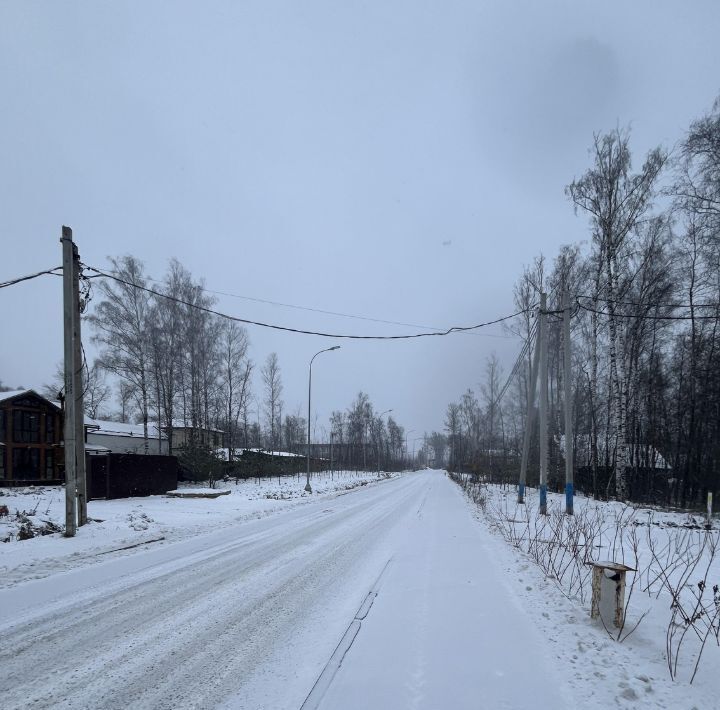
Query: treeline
{"type": "Point", "coordinates": [646, 347]}
{"type": "Point", "coordinates": [175, 362]}
{"type": "Point", "coordinates": [363, 439]}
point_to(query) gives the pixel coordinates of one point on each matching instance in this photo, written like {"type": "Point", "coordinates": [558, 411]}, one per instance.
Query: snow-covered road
{"type": "Point", "coordinates": [250, 616]}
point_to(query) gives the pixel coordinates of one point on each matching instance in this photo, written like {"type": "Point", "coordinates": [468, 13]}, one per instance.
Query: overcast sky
{"type": "Point", "coordinates": [395, 160]}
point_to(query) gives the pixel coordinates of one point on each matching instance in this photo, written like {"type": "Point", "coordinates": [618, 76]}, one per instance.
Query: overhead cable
{"type": "Point", "coordinates": [317, 310]}
{"type": "Point", "coordinates": [518, 362]}
{"type": "Point", "coordinates": [448, 331]}
{"type": "Point", "coordinates": [29, 277]}
{"type": "Point", "coordinates": [648, 316]}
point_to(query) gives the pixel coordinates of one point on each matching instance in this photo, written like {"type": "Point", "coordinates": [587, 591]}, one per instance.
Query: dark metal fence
{"type": "Point", "coordinates": [128, 475]}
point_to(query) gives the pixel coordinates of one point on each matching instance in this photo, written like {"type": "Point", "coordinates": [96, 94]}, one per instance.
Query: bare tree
{"type": "Point", "coordinates": [96, 392]}
{"type": "Point", "coordinates": [453, 428]}
{"type": "Point", "coordinates": [490, 390]}
{"type": "Point", "coordinates": [126, 401]}
{"type": "Point", "coordinates": [616, 201]}
{"type": "Point", "coordinates": [236, 369]}
{"type": "Point", "coordinates": [120, 325]}
{"type": "Point", "coordinates": [273, 392]}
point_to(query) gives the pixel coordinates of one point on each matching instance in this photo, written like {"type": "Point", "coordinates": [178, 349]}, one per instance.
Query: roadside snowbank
{"type": "Point", "coordinates": [634, 673]}
{"type": "Point", "coordinates": [123, 526]}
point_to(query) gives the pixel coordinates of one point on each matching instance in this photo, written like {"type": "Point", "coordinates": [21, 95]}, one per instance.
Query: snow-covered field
{"type": "Point", "coordinates": [126, 525]}
{"type": "Point", "coordinates": [671, 552]}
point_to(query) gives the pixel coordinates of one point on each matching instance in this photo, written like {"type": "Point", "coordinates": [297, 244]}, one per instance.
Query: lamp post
{"type": "Point", "coordinates": [417, 438]}
{"type": "Point", "coordinates": [327, 350]}
{"type": "Point", "coordinates": [407, 433]}
{"type": "Point", "coordinates": [380, 416]}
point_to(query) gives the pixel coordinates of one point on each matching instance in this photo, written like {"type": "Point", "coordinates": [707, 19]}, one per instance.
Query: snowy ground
{"type": "Point", "coordinates": [394, 595]}
{"type": "Point", "coordinates": [124, 526]}
{"type": "Point", "coordinates": [634, 673]}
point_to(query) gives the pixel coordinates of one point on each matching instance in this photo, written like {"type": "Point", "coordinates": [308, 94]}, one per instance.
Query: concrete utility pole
{"type": "Point", "coordinates": [80, 476]}
{"type": "Point", "coordinates": [529, 420]}
{"type": "Point", "coordinates": [332, 470]}
{"type": "Point", "coordinates": [69, 250]}
{"type": "Point", "coordinates": [74, 422]}
{"type": "Point", "coordinates": [542, 335]}
{"type": "Point", "coordinates": [569, 442]}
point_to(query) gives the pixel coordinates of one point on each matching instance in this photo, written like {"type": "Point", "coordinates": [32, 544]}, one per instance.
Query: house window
{"type": "Point", "coordinates": [49, 463]}
{"type": "Point", "coordinates": [26, 427]}
{"type": "Point", "coordinates": [2, 425]}
{"type": "Point", "coordinates": [2, 462]}
{"type": "Point", "coordinates": [50, 428]}
{"type": "Point", "coordinates": [26, 463]}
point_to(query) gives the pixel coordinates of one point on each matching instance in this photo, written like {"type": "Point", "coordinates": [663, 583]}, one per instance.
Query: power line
{"type": "Point", "coordinates": [647, 305]}
{"type": "Point", "coordinates": [448, 331]}
{"type": "Point", "coordinates": [29, 277]}
{"type": "Point", "coordinates": [518, 362]}
{"type": "Point", "coordinates": [319, 310]}
{"type": "Point", "coordinates": [648, 316]}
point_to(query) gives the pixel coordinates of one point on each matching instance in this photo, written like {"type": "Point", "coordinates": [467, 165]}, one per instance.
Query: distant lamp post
{"type": "Point", "coordinates": [417, 438]}
{"type": "Point", "coordinates": [307, 479]}
{"type": "Point", "coordinates": [407, 433]}
{"type": "Point", "coordinates": [380, 416]}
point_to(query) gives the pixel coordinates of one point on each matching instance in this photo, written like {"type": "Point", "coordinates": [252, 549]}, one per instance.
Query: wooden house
{"type": "Point", "coordinates": [30, 440]}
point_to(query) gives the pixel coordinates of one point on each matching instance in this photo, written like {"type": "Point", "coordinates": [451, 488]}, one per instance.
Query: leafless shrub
{"type": "Point", "coordinates": [475, 489]}
{"type": "Point", "coordinates": [563, 546]}
{"type": "Point", "coordinates": [694, 607]}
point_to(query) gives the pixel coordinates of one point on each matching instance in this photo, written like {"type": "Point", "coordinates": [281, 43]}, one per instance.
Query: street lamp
{"type": "Point", "coordinates": [327, 350]}
{"type": "Point", "coordinates": [417, 438]}
{"type": "Point", "coordinates": [407, 433]}
{"type": "Point", "coordinates": [380, 416]}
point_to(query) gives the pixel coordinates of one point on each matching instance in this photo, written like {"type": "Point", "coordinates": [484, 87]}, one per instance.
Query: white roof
{"type": "Point", "coordinates": [95, 448]}
{"type": "Point", "coordinates": [16, 393]}
{"type": "Point", "coordinates": [223, 453]}
{"type": "Point", "coordinates": [11, 394]}
{"type": "Point", "coordinates": [107, 428]}
{"type": "Point", "coordinates": [180, 424]}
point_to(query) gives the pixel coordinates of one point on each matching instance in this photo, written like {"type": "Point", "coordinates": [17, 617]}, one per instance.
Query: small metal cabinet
{"type": "Point", "coordinates": [608, 592]}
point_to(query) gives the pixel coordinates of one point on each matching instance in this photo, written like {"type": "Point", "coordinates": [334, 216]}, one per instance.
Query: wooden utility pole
{"type": "Point", "coordinates": [69, 307]}
{"type": "Point", "coordinates": [569, 441]}
{"type": "Point", "coordinates": [332, 469]}
{"type": "Point", "coordinates": [543, 374]}
{"type": "Point", "coordinates": [529, 420]}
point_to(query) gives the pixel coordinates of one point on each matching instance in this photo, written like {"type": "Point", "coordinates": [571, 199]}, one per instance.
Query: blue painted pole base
{"type": "Point", "coordinates": [543, 498]}
{"type": "Point", "coordinates": [521, 493]}
{"type": "Point", "coordinates": [569, 493]}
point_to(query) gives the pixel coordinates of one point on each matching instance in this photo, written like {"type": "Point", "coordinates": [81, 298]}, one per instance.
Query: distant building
{"type": "Point", "coordinates": [122, 438]}
{"type": "Point", "coordinates": [31, 450]}
{"type": "Point", "coordinates": [183, 434]}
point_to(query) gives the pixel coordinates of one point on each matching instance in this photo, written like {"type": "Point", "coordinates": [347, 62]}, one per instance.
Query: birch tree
{"type": "Point", "coordinates": [120, 327]}
{"type": "Point", "coordinates": [616, 201]}
{"type": "Point", "coordinates": [273, 387]}
{"type": "Point", "coordinates": [236, 369]}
